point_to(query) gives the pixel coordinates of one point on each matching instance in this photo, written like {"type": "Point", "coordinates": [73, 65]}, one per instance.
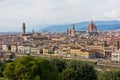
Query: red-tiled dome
{"type": "Point", "coordinates": [91, 27]}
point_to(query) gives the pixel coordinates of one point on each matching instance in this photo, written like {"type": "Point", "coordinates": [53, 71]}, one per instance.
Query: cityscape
{"type": "Point", "coordinates": [54, 40]}
{"type": "Point", "coordinates": [88, 44]}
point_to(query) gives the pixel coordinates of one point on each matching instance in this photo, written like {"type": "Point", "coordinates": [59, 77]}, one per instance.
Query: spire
{"type": "Point", "coordinates": [73, 30]}
{"type": "Point", "coordinates": [32, 31]}
{"type": "Point", "coordinates": [67, 32]}
{"type": "Point", "coordinates": [73, 27]}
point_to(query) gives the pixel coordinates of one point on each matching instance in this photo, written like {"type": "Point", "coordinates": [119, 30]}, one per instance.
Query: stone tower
{"type": "Point", "coordinates": [73, 27]}
{"type": "Point", "coordinates": [23, 28]}
{"type": "Point", "coordinates": [73, 30]}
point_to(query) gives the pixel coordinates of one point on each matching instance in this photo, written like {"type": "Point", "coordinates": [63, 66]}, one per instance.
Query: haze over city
{"type": "Point", "coordinates": [39, 13]}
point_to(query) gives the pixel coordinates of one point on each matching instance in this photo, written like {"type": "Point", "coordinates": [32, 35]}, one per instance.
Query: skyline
{"type": "Point", "coordinates": [38, 13]}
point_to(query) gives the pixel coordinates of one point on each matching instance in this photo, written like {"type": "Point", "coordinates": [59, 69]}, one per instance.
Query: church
{"type": "Point", "coordinates": [91, 30]}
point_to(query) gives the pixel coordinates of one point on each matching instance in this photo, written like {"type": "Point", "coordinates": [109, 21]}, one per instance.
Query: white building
{"type": "Point", "coordinates": [115, 56]}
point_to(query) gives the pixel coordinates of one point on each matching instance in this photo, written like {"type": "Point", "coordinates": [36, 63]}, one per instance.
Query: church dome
{"type": "Point", "coordinates": [91, 27]}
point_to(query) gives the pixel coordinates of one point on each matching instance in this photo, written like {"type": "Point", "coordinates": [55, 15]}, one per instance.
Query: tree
{"type": "Point", "coordinates": [60, 64]}
{"type": "Point", "coordinates": [68, 74]}
{"type": "Point", "coordinates": [9, 71]}
{"type": "Point", "coordinates": [80, 70]}
{"type": "Point", "coordinates": [30, 68]}
{"type": "Point", "coordinates": [21, 69]}
{"type": "Point", "coordinates": [47, 71]}
{"type": "Point", "coordinates": [111, 75]}
{"type": "Point", "coordinates": [2, 65]}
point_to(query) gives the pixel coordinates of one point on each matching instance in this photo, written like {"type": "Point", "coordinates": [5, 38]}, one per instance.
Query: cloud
{"type": "Point", "coordinates": [43, 12]}
{"type": "Point", "coordinates": [114, 14]}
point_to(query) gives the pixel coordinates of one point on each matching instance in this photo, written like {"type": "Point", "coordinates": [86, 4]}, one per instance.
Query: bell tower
{"type": "Point", "coordinates": [23, 28]}
{"type": "Point", "coordinates": [73, 30]}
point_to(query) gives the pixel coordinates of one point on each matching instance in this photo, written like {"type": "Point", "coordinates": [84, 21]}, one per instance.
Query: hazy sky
{"type": "Point", "coordinates": [37, 13]}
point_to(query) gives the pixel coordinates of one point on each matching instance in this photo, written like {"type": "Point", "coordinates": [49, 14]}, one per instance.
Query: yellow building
{"type": "Point", "coordinates": [47, 50]}
{"type": "Point", "coordinates": [82, 53]}
{"type": "Point", "coordinates": [58, 38]}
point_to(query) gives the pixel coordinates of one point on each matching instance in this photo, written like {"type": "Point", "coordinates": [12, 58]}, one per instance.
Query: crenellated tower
{"type": "Point", "coordinates": [23, 28]}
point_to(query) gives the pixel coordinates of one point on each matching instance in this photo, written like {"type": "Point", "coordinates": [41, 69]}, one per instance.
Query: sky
{"type": "Point", "coordinates": [39, 13]}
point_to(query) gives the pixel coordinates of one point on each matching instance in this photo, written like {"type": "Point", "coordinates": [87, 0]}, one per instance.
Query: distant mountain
{"type": "Point", "coordinates": [101, 26]}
